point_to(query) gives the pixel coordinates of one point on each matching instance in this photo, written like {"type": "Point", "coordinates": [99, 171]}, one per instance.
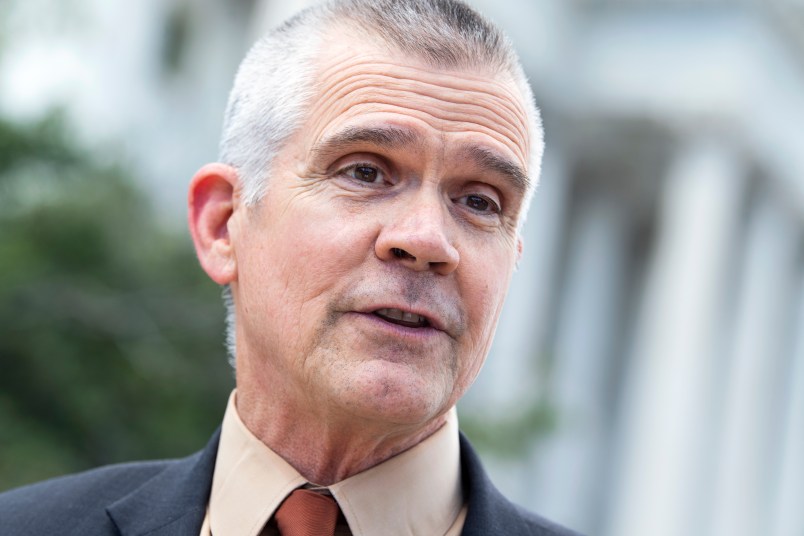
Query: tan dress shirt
{"type": "Point", "coordinates": [416, 492]}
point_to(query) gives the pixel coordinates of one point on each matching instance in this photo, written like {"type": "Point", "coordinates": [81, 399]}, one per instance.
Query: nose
{"type": "Point", "coordinates": [416, 235]}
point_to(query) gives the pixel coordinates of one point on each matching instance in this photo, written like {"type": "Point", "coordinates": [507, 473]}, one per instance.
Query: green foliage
{"type": "Point", "coordinates": [509, 435]}
{"type": "Point", "coordinates": [111, 337]}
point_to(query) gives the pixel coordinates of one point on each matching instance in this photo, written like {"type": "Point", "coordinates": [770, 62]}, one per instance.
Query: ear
{"type": "Point", "coordinates": [520, 246]}
{"type": "Point", "coordinates": [211, 205]}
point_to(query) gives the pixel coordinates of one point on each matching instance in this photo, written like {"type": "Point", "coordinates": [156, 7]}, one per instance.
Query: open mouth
{"type": "Point", "coordinates": [402, 318]}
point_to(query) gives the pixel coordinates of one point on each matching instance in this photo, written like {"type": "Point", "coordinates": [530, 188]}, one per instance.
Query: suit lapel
{"type": "Point", "coordinates": [488, 511]}
{"type": "Point", "coordinates": [173, 502]}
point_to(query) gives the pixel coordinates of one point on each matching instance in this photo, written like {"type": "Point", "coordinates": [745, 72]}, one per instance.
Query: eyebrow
{"type": "Point", "coordinates": [487, 159]}
{"type": "Point", "coordinates": [388, 137]}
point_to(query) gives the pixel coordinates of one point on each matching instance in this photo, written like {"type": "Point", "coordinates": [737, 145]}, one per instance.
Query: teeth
{"type": "Point", "coordinates": [397, 314]}
{"type": "Point", "coordinates": [410, 317]}
{"type": "Point", "coordinates": [394, 314]}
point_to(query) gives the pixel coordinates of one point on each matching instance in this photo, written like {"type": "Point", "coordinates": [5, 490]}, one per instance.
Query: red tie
{"type": "Point", "coordinates": [307, 513]}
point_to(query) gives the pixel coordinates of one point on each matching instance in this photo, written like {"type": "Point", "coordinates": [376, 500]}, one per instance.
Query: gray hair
{"type": "Point", "coordinates": [275, 81]}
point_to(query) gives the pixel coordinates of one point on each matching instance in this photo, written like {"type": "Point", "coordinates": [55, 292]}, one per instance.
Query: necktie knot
{"type": "Point", "coordinates": [307, 513]}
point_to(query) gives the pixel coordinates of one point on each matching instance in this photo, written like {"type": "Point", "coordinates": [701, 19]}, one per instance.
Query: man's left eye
{"type": "Point", "coordinates": [365, 173]}
{"type": "Point", "coordinates": [481, 203]}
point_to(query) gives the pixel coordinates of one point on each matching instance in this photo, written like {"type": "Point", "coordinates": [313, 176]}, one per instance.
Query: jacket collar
{"type": "Point", "coordinates": [174, 502]}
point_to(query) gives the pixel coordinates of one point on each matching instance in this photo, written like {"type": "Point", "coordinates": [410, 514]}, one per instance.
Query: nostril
{"type": "Point", "coordinates": [402, 254]}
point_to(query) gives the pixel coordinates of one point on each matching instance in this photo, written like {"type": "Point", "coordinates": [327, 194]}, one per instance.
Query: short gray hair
{"type": "Point", "coordinates": [275, 81]}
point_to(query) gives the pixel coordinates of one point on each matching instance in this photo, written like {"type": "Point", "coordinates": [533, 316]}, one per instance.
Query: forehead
{"type": "Point", "coordinates": [361, 81]}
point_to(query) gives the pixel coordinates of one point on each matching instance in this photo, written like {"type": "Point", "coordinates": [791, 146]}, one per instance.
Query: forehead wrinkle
{"type": "Point", "coordinates": [486, 158]}
{"type": "Point", "coordinates": [380, 65]}
{"type": "Point", "coordinates": [493, 107]}
{"type": "Point", "coordinates": [482, 103]}
{"type": "Point", "coordinates": [509, 103]}
{"type": "Point", "coordinates": [349, 66]}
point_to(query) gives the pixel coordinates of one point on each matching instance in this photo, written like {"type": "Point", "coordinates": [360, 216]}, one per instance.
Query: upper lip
{"type": "Point", "coordinates": [432, 318]}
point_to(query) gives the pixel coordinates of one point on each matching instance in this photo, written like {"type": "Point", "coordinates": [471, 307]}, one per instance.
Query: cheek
{"type": "Point", "coordinates": [329, 249]}
{"type": "Point", "coordinates": [307, 258]}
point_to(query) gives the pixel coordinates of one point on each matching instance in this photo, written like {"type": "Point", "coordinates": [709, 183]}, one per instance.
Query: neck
{"type": "Point", "coordinates": [326, 446]}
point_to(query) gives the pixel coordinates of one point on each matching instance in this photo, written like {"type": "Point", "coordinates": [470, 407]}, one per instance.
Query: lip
{"type": "Point", "coordinates": [432, 318]}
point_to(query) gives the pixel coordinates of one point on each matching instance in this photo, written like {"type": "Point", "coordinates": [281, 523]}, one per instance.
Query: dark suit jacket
{"type": "Point", "coordinates": [170, 498]}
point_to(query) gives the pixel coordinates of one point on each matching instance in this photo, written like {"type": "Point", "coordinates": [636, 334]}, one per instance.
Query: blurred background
{"type": "Point", "coordinates": [648, 373]}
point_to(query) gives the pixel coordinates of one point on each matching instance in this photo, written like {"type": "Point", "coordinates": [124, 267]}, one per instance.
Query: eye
{"type": "Point", "coordinates": [481, 203]}
{"type": "Point", "coordinates": [367, 173]}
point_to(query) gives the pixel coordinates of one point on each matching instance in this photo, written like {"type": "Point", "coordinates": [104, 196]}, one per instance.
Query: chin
{"type": "Point", "coordinates": [398, 394]}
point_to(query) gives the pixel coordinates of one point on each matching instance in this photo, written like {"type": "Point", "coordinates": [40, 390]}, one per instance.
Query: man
{"type": "Point", "coordinates": [377, 161]}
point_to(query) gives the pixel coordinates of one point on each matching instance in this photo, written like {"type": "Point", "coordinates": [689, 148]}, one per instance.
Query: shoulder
{"type": "Point", "coordinates": [66, 504]}
{"type": "Point", "coordinates": [539, 526]}
{"type": "Point", "coordinates": [505, 517]}
{"type": "Point", "coordinates": [165, 497]}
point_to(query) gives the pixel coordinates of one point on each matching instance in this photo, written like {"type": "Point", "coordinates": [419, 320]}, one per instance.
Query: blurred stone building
{"type": "Point", "coordinates": [658, 308]}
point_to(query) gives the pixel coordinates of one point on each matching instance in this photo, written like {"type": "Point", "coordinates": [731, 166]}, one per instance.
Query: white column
{"type": "Point", "coordinates": [568, 487]}
{"type": "Point", "coordinates": [665, 411]}
{"type": "Point", "coordinates": [788, 514]}
{"type": "Point", "coordinates": [751, 420]}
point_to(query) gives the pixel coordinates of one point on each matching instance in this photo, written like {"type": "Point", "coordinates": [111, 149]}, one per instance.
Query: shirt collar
{"type": "Point", "coordinates": [415, 492]}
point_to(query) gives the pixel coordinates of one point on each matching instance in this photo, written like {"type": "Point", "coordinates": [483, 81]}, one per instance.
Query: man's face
{"type": "Point", "coordinates": [371, 276]}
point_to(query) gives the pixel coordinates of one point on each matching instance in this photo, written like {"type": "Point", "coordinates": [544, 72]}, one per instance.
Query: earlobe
{"type": "Point", "coordinates": [210, 207]}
